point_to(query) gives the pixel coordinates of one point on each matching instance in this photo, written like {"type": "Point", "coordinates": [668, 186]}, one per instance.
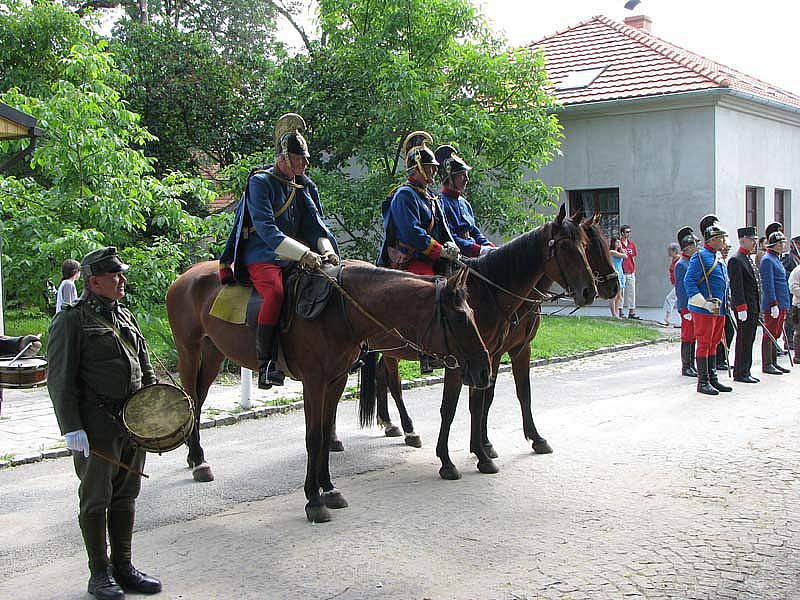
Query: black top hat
{"type": "Point", "coordinates": [102, 261]}
{"type": "Point", "coordinates": [748, 232]}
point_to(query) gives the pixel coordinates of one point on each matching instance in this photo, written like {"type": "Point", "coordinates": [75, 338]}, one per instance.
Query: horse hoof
{"type": "Point", "coordinates": [449, 473]}
{"type": "Point", "coordinates": [334, 499]}
{"type": "Point", "coordinates": [490, 451]}
{"type": "Point", "coordinates": [413, 440]}
{"type": "Point", "coordinates": [488, 467]}
{"type": "Point", "coordinates": [317, 514]}
{"type": "Point", "coordinates": [337, 446]}
{"type": "Point", "coordinates": [393, 431]}
{"type": "Point", "coordinates": [202, 473]}
{"type": "Point", "coordinates": [541, 447]}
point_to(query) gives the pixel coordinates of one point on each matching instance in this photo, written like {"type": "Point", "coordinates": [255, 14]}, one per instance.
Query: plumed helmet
{"type": "Point", "coordinates": [772, 228]}
{"type": "Point", "coordinates": [450, 163]}
{"type": "Point", "coordinates": [775, 238]}
{"type": "Point", "coordinates": [417, 152]}
{"type": "Point", "coordinates": [707, 222]}
{"type": "Point", "coordinates": [288, 139]}
{"type": "Point", "coordinates": [686, 237]}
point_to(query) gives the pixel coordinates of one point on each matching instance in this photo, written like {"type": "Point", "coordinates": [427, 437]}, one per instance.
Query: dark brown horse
{"type": "Point", "coordinates": [431, 312]}
{"type": "Point", "coordinates": [555, 250]}
{"type": "Point", "coordinates": [518, 346]}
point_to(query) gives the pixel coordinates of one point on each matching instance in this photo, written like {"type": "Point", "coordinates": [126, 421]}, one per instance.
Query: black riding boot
{"type": "Point", "coordinates": [120, 532]}
{"type": "Point", "coordinates": [702, 377]}
{"type": "Point", "coordinates": [687, 368]}
{"type": "Point", "coordinates": [101, 583]}
{"type": "Point", "coordinates": [769, 356]}
{"type": "Point", "coordinates": [428, 363]}
{"type": "Point", "coordinates": [712, 376]}
{"type": "Point", "coordinates": [721, 359]}
{"type": "Point", "coordinates": [268, 372]}
{"type": "Point", "coordinates": [775, 361]}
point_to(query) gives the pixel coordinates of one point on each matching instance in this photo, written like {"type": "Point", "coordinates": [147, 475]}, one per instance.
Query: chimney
{"type": "Point", "coordinates": [642, 22]}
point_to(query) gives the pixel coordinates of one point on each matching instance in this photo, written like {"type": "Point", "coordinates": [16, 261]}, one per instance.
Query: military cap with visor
{"type": "Point", "coordinates": [102, 261]}
{"type": "Point", "coordinates": [288, 138]}
{"type": "Point", "coordinates": [775, 238]}
{"type": "Point", "coordinates": [710, 227]}
{"type": "Point", "coordinates": [417, 152]}
{"type": "Point", "coordinates": [450, 163]}
{"type": "Point", "coordinates": [747, 232]}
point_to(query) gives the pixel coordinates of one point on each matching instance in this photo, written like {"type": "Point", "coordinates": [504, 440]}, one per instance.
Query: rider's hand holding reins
{"type": "Point", "coordinates": [331, 258]}
{"type": "Point", "coordinates": [450, 251]}
{"type": "Point", "coordinates": [311, 260]}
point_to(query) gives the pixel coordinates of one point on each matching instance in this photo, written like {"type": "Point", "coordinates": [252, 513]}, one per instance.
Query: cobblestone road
{"type": "Point", "coordinates": [653, 492]}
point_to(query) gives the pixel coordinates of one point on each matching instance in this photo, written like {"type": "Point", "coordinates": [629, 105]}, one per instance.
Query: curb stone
{"type": "Point", "coordinates": [267, 411]}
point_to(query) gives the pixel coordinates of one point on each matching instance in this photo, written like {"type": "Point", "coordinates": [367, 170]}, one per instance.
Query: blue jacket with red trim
{"type": "Point", "coordinates": [414, 224]}
{"type": "Point", "coordinates": [695, 283]}
{"type": "Point", "coordinates": [680, 289]}
{"type": "Point", "coordinates": [774, 285]}
{"type": "Point", "coordinates": [461, 222]}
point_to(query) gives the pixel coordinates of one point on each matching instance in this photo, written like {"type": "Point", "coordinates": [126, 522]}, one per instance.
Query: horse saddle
{"type": "Point", "coordinates": [306, 294]}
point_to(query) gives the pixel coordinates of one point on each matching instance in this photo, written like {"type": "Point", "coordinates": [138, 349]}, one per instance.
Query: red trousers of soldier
{"type": "Point", "coordinates": [687, 328]}
{"type": "Point", "coordinates": [774, 326]}
{"type": "Point", "coordinates": [268, 281]}
{"type": "Point", "coordinates": [708, 330]}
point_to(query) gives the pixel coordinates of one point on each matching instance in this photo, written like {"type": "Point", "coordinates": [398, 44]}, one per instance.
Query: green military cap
{"type": "Point", "coordinates": [102, 261]}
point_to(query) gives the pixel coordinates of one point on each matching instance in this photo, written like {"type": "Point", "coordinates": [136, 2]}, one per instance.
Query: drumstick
{"type": "Point", "coordinates": [114, 461]}
{"type": "Point", "coordinates": [21, 352]}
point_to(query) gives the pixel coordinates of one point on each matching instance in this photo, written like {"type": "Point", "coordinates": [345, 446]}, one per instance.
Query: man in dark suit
{"type": "Point", "coordinates": [745, 301]}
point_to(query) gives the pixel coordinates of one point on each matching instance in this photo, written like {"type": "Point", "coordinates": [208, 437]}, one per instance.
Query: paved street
{"type": "Point", "coordinates": [653, 491]}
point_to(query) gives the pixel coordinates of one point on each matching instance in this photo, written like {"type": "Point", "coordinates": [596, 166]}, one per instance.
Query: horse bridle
{"type": "Point", "coordinates": [449, 359]}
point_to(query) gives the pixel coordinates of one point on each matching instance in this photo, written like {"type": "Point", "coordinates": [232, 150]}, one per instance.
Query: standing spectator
{"type": "Point", "coordinates": [629, 268]}
{"type": "Point", "coordinates": [745, 300]}
{"type": "Point", "coordinates": [617, 256]}
{"type": "Point", "coordinates": [789, 261]}
{"type": "Point", "coordinates": [688, 244]}
{"type": "Point", "coordinates": [674, 255]}
{"type": "Point", "coordinates": [67, 293]}
{"type": "Point", "coordinates": [794, 288]}
{"type": "Point", "coordinates": [774, 302]}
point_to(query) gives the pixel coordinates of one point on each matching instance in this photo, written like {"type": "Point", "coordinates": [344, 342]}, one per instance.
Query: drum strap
{"type": "Point", "coordinates": [120, 337]}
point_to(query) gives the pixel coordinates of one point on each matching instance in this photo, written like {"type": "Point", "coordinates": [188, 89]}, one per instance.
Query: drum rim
{"type": "Point", "coordinates": [184, 430]}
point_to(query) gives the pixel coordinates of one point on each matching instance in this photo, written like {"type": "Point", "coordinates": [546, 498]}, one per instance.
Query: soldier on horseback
{"type": "Point", "coordinates": [278, 222]}
{"type": "Point", "coordinates": [415, 234]}
{"type": "Point", "coordinates": [454, 174]}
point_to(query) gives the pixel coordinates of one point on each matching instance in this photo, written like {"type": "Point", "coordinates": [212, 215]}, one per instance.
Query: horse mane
{"type": "Point", "coordinates": [368, 270]}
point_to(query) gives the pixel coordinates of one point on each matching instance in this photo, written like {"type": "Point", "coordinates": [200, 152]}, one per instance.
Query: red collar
{"type": "Point", "coordinates": [709, 248]}
{"type": "Point", "coordinates": [743, 251]}
{"type": "Point", "coordinates": [450, 192]}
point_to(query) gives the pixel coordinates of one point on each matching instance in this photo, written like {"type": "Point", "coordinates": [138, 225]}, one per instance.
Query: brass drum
{"type": "Point", "coordinates": [23, 372]}
{"type": "Point", "coordinates": [158, 417]}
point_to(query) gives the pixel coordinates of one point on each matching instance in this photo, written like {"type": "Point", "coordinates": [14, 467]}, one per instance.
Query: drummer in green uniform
{"type": "Point", "coordinates": [97, 359]}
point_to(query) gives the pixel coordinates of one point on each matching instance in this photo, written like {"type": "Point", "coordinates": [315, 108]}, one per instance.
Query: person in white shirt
{"type": "Point", "coordinates": [67, 293]}
{"type": "Point", "coordinates": [794, 314]}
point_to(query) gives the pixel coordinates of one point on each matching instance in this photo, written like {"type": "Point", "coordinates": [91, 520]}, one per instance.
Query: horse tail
{"type": "Point", "coordinates": [368, 395]}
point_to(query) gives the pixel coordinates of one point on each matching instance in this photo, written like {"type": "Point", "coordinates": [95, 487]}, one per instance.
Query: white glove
{"type": "Point", "coordinates": [688, 316]}
{"type": "Point", "coordinates": [311, 260]}
{"type": "Point", "coordinates": [331, 258]}
{"type": "Point", "coordinates": [486, 250]}
{"type": "Point", "coordinates": [77, 441]}
{"type": "Point", "coordinates": [742, 314]}
{"type": "Point", "coordinates": [450, 251]}
{"type": "Point", "coordinates": [774, 312]}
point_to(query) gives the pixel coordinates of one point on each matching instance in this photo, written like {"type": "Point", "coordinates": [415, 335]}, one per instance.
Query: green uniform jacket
{"type": "Point", "coordinates": [96, 356]}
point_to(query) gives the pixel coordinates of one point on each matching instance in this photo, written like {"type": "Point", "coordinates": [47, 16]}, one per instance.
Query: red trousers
{"type": "Point", "coordinates": [268, 281]}
{"type": "Point", "coordinates": [420, 267]}
{"type": "Point", "coordinates": [708, 330]}
{"type": "Point", "coordinates": [774, 326]}
{"type": "Point", "coordinates": [687, 329]}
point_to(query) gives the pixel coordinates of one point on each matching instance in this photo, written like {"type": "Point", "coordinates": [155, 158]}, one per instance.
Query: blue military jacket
{"type": "Point", "coordinates": [680, 289]}
{"type": "Point", "coordinates": [705, 259]}
{"type": "Point", "coordinates": [774, 286]}
{"type": "Point", "coordinates": [461, 222]}
{"type": "Point", "coordinates": [263, 219]}
{"type": "Point", "coordinates": [414, 224]}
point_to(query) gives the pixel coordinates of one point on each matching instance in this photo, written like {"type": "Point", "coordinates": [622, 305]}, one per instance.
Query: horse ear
{"type": "Point", "coordinates": [562, 212]}
{"type": "Point", "coordinates": [597, 216]}
{"type": "Point", "coordinates": [577, 215]}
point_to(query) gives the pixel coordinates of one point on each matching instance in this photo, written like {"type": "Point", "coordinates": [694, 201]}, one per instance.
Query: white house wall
{"type": "Point", "coordinates": [759, 149]}
{"type": "Point", "coordinates": [662, 161]}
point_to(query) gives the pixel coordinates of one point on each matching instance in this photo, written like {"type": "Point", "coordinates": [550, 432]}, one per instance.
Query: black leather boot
{"type": "Point", "coordinates": [712, 376]}
{"type": "Point", "coordinates": [120, 533]}
{"type": "Point", "coordinates": [775, 362]}
{"type": "Point", "coordinates": [702, 377]}
{"type": "Point", "coordinates": [687, 368]}
{"type": "Point", "coordinates": [268, 372]}
{"type": "Point", "coordinates": [768, 357]}
{"type": "Point", "coordinates": [101, 583]}
{"type": "Point", "coordinates": [428, 363]}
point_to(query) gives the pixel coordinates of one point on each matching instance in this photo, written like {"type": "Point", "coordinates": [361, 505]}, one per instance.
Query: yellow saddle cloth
{"type": "Point", "coordinates": [231, 304]}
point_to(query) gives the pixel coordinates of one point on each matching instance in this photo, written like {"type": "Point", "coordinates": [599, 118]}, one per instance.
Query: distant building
{"type": "Point", "coordinates": [656, 137]}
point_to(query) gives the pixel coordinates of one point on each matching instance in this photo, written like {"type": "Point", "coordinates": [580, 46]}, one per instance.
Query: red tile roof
{"type": "Point", "coordinates": [639, 64]}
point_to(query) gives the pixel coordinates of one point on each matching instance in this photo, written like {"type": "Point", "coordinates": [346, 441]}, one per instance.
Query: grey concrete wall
{"type": "Point", "coordinates": [759, 150]}
{"type": "Point", "coordinates": [662, 161]}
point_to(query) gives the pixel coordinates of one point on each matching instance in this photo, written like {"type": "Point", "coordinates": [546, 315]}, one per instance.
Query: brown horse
{"type": "Point", "coordinates": [432, 312]}
{"type": "Point", "coordinates": [555, 250]}
{"type": "Point", "coordinates": [518, 346]}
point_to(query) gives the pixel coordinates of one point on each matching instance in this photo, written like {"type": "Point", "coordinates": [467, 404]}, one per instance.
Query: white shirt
{"type": "Point", "coordinates": [794, 285]}
{"type": "Point", "coordinates": [66, 294]}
